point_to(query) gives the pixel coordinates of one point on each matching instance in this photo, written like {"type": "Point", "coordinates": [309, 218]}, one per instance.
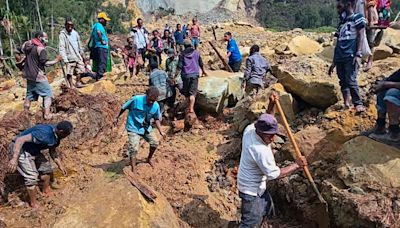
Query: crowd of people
{"type": "Point", "coordinates": [183, 67]}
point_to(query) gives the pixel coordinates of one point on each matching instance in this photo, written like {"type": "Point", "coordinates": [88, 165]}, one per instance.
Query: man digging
{"type": "Point", "coordinates": [142, 110]}
{"type": "Point", "coordinates": [27, 156]}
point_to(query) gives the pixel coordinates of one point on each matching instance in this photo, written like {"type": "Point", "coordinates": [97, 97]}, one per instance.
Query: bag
{"type": "Point", "coordinates": [383, 8]}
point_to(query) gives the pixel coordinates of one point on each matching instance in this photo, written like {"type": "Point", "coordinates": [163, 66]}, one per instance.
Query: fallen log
{"type": "Point", "coordinates": [142, 187]}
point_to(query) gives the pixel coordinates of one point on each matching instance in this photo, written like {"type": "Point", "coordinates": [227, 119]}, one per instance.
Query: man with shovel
{"type": "Point", "coordinates": [257, 166]}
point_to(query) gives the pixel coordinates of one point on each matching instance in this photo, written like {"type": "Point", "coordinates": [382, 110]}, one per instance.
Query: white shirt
{"type": "Point", "coordinates": [141, 37]}
{"type": "Point", "coordinates": [257, 164]}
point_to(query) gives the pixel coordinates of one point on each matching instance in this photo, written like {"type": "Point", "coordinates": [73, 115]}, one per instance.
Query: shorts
{"type": "Point", "coordinates": [252, 88]}
{"type": "Point", "coordinates": [36, 89]}
{"type": "Point", "coordinates": [75, 68]}
{"type": "Point", "coordinates": [134, 142]}
{"type": "Point", "coordinates": [30, 167]}
{"type": "Point", "coordinates": [235, 66]}
{"type": "Point", "coordinates": [195, 41]}
{"type": "Point", "coordinates": [254, 208]}
{"type": "Point", "coordinates": [190, 85]}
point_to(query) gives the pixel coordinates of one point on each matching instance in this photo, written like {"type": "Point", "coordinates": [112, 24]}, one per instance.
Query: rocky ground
{"type": "Point", "coordinates": [194, 171]}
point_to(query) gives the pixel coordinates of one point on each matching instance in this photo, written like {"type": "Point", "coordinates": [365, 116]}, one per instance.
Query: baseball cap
{"type": "Point", "coordinates": [104, 16]}
{"type": "Point", "coordinates": [267, 124]}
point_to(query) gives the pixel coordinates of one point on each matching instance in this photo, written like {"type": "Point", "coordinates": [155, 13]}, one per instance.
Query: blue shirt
{"type": "Point", "coordinates": [234, 50]}
{"type": "Point", "coordinates": [43, 137]}
{"type": "Point", "coordinates": [99, 27]}
{"type": "Point", "coordinates": [140, 114]}
{"type": "Point", "coordinates": [179, 36]}
{"type": "Point", "coordinates": [346, 47]}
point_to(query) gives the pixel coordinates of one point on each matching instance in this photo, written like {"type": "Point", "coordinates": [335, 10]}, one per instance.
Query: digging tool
{"type": "Point", "coordinates": [220, 57]}
{"type": "Point", "coordinates": [322, 208]}
{"type": "Point", "coordinates": [213, 31]}
{"type": "Point", "coordinates": [62, 66]}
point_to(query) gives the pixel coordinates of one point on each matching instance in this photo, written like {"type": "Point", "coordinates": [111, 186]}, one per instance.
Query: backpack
{"type": "Point", "coordinates": [383, 8]}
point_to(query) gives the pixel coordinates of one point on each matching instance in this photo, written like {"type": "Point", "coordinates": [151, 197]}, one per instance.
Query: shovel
{"type": "Point", "coordinates": [322, 207]}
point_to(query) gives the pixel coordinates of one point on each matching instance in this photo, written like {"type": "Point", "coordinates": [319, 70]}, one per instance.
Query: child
{"type": "Point", "coordinates": [130, 54]}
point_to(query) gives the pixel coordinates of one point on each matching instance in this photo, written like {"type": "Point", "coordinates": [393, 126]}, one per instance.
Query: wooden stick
{"type": "Point", "coordinates": [220, 57]}
{"type": "Point", "coordinates": [142, 187]}
{"type": "Point", "coordinates": [297, 151]}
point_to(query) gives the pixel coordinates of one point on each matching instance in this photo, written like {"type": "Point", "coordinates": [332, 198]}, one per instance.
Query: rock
{"type": "Point", "coordinates": [306, 78]}
{"type": "Point", "coordinates": [289, 105]}
{"type": "Point", "coordinates": [382, 52]}
{"type": "Point", "coordinates": [243, 23]}
{"type": "Point", "coordinates": [7, 84]}
{"type": "Point", "coordinates": [245, 51]}
{"type": "Point", "coordinates": [391, 37]}
{"type": "Point", "coordinates": [99, 87]}
{"type": "Point", "coordinates": [218, 90]}
{"type": "Point", "coordinates": [327, 53]}
{"type": "Point", "coordinates": [357, 190]}
{"type": "Point", "coordinates": [297, 30]}
{"type": "Point", "coordinates": [267, 52]}
{"type": "Point", "coordinates": [280, 49]}
{"type": "Point", "coordinates": [118, 204]}
{"type": "Point", "coordinates": [364, 161]}
{"type": "Point", "coordinates": [302, 45]}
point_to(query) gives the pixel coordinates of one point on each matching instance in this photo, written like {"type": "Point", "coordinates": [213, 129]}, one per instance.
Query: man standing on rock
{"type": "Point", "coordinates": [27, 157]}
{"type": "Point", "coordinates": [256, 69]}
{"type": "Point", "coordinates": [348, 55]}
{"type": "Point", "coordinates": [195, 33]}
{"type": "Point", "coordinates": [388, 103]}
{"type": "Point", "coordinates": [189, 65]}
{"type": "Point", "coordinates": [71, 50]}
{"type": "Point", "coordinates": [257, 166]}
{"type": "Point", "coordinates": [233, 53]}
{"type": "Point", "coordinates": [142, 110]}
{"type": "Point", "coordinates": [34, 72]}
{"type": "Point", "coordinates": [141, 36]}
{"type": "Point", "coordinates": [100, 48]}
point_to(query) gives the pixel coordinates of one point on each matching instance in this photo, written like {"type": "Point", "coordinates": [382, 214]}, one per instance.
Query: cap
{"type": "Point", "coordinates": [267, 124]}
{"type": "Point", "coordinates": [103, 15]}
{"type": "Point", "coordinates": [187, 43]}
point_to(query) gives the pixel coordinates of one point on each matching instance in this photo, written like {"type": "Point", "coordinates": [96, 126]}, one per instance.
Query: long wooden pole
{"type": "Point", "coordinates": [220, 57]}
{"type": "Point", "coordinates": [298, 153]}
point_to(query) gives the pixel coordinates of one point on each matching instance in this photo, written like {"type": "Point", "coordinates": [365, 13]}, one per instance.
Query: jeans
{"type": "Point", "coordinates": [390, 95]}
{"type": "Point", "coordinates": [347, 73]}
{"type": "Point", "coordinates": [254, 208]}
{"type": "Point", "coordinates": [101, 59]}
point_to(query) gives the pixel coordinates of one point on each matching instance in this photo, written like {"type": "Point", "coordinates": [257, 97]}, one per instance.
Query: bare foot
{"type": "Point", "coordinates": [34, 206]}
{"type": "Point", "coordinates": [360, 108]}
{"type": "Point", "coordinates": [48, 117]}
{"type": "Point", "coordinates": [368, 67]}
{"type": "Point", "coordinates": [47, 193]}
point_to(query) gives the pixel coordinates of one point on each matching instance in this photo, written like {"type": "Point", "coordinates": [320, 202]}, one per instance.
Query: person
{"type": "Point", "coordinates": [27, 157]}
{"type": "Point", "coordinates": [141, 37]}
{"type": "Point", "coordinates": [160, 80]}
{"type": "Point", "coordinates": [374, 37]}
{"type": "Point", "coordinates": [175, 79]}
{"type": "Point", "coordinates": [156, 47]}
{"type": "Point", "coordinates": [72, 52]}
{"type": "Point", "coordinates": [168, 42]}
{"type": "Point", "coordinates": [257, 166]}
{"type": "Point", "coordinates": [233, 53]}
{"type": "Point", "coordinates": [142, 110]}
{"type": "Point", "coordinates": [195, 33]}
{"type": "Point", "coordinates": [130, 56]}
{"type": "Point", "coordinates": [101, 46]}
{"type": "Point", "coordinates": [388, 103]}
{"type": "Point", "coordinates": [37, 83]}
{"type": "Point", "coordinates": [189, 65]}
{"type": "Point", "coordinates": [348, 54]}
{"type": "Point", "coordinates": [256, 69]}
{"type": "Point", "coordinates": [179, 36]}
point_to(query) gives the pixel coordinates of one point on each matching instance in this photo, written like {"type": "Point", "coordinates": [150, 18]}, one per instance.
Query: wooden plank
{"type": "Point", "coordinates": [142, 187]}
{"type": "Point", "coordinates": [220, 57]}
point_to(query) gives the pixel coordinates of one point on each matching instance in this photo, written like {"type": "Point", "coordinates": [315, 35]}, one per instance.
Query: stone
{"type": "Point", "coordinates": [99, 87]}
{"type": "Point", "coordinates": [280, 49]}
{"type": "Point", "coordinates": [245, 51]}
{"type": "Point", "coordinates": [118, 204]}
{"type": "Point", "coordinates": [288, 103]}
{"type": "Point", "coordinates": [364, 161]}
{"type": "Point", "coordinates": [391, 37]}
{"type": "Point", "coordinates": [382, 52]}
{"type": "Point", "coordinates": [267, 52]}
{"type": "Point", "coordinates": [244, 23]}
{"type": "Point", "coordinates": [307, 78]}
{"type": "Point", "coordinates": [302, 45]}
{"type": "Point", "coordinates": [218, 90]}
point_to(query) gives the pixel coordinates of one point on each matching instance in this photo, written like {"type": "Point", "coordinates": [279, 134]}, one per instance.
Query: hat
{"type": "Point", "coordinates": [103, 15]}
{"type": "Point", "coordinates": [187, 43]}
{"type": "Point", "coordinates": [267, 124]}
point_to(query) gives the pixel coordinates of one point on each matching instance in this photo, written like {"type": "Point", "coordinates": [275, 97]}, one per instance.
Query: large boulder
{"type": "Point", "coordinates": [382, 52]}
{"type": "Point", "coordinates": [218, 90]}
{"type": "Point", "coordinates": [102, 86]}
{"type": "Point", "coordinates": [367, 163]}
{"type": "Point", "coordinates": [118, 204]}
{"type": "Point", "coordinates": [302, 45]}
{"type": "Point", "coordinates": [288, 103]}
{"type": "Point", "coordinates": [307, 78]}
{"type": "Point", "coordinates": [391, 37]}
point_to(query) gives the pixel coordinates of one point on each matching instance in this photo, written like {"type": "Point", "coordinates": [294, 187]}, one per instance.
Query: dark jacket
{"type": "Point", "coordinates": [36, 58]}
{"type": "Point", "coordinates": [256, 69]}
{"type": "Point", "coordinates": [190, 62]}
